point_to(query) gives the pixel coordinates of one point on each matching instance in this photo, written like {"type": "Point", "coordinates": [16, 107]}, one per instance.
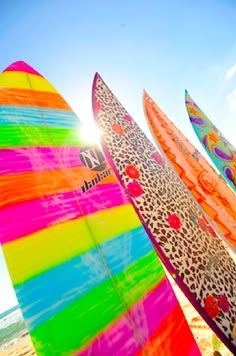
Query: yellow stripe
{"type": "Point", "coordinates": [35, 253]}
{"type": "Point", "coordinates": [21, 80]}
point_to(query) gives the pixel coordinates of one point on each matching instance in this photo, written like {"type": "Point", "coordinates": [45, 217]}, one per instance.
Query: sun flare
{"type": "Point", "coordinates": [90, 133]}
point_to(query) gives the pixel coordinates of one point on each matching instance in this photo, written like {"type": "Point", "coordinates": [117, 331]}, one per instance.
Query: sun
{"type": "Point", "coordinates": [90, 133]}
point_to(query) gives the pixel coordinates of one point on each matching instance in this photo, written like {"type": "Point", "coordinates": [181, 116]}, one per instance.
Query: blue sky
{"type": "Point", "coordinates": [162, 46]}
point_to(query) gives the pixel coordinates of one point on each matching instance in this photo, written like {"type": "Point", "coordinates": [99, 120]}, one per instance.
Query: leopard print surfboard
{"type": "Point", "coordinates": [187, 245]}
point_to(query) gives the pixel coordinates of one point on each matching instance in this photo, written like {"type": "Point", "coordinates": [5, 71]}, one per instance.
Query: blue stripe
{"type": "Point", "coordinates": [46, 295]}
{"type": "Point", "coordinates": [33, 116]}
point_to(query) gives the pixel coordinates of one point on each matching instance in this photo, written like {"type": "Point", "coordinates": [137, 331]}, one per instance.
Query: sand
{"type": "Point", "coordinates": [22, 346]}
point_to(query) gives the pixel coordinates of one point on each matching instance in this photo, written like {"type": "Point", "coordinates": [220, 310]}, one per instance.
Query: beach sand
{"type": "Point", "coordinates": [22, 346]}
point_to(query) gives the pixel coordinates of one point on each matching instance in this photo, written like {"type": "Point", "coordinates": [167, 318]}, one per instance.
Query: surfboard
{"type": "Point", "coordinates": [218, 148]}
{"type": "Point", "coordinates": [197, 259]}
{"type": "Point", "coordinates": [86, 276]}
{"type": "Point", "coordinates": [207, 187]}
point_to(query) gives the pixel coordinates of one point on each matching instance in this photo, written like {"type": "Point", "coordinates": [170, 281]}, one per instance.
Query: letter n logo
{"type": "Point", "coordinates": [92, 158]}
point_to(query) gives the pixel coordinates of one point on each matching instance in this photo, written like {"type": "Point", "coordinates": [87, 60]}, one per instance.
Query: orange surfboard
{"type": "Point", "coordinates": [208, 188]}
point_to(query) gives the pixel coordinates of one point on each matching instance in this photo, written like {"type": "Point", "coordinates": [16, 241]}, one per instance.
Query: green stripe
{"type": "Point", "coordinates": [78, 324]}
{"type": "Point", "coordinates": [18, 136]}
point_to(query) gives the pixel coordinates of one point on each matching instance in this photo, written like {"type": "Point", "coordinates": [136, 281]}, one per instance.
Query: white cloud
{"type": "Point", "coordinates": [231, 100]}
{"type": "Point", "coordinates": [230, 72]}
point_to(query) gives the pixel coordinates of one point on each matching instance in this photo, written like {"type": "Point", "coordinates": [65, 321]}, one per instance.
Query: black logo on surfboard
{"type": "Point", "coordinates": [92, 158]}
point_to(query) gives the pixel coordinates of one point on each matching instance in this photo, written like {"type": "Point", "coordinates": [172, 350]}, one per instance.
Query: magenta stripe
{"type": "Point", "coordinates": [21, 66]}
{"type": "Point", "coordinates": [28, 217]}
{"type": "Point", "coordinates": [147, 315]}
{"type": "Point", "coordinates": [195, 350]}
{"type": "Point", "coordinates": [38, 159]}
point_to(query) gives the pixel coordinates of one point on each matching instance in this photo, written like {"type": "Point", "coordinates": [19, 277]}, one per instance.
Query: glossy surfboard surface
{"type": "Point", "coordinates": [84, 271]}
{"type": "Point", "coordinates": [195, 257]}
{"type": "Point", "coordinates": [207, 187]}
{"type": "Point", "coordinates": [219, 149]}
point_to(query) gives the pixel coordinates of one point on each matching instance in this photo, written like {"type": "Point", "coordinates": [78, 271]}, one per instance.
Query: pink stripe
{"type": "Point", "coordinates": [21, 66]}
{"type": "Point", "coordinates": [195, 350]}
{"type": "Point", "coordinates": [38, 159]}
{"type": "Point", "coordinates": [147, 315]}
{"type": "Point", "coordinates": [26, 218]}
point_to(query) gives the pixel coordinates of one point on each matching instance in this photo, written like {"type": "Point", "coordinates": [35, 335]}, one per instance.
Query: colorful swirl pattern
{"type": "Point", "coordinates": [85, 273]}
{"type": "Point", "coordinates": [219, 149]}
{"type": "Point", "coordinates": [208, 188]}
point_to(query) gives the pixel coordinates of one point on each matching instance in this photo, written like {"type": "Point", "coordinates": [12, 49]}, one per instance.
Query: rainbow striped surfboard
{"type": "Point", "coordinates": [85, 273]}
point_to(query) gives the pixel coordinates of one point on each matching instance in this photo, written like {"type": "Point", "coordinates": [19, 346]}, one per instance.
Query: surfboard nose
{"type": "Point", "coordinates": [21, 66]}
